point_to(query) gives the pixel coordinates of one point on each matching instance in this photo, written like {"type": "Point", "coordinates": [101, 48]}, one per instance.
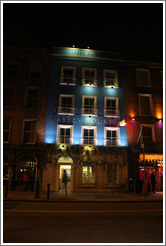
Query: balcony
{"type": "Point", "coordinates": [89, 111]}
{"type": "Point", "coordinates": [64, 140]}
{"type": "Point", "coordinates": [67, 81]}
{"type": "Point", "coordinates": [112, 112]}
{"type": "Point", "coordinates": [112, 142]}
{"type": "Point", "coordinates": [89, 141]}
{"type": "Point", "coordinates": [66, 110]}
{"type": "Point", "coordinates": [89, 82]}
{"type": "Point", "coordinates": [111, 83]}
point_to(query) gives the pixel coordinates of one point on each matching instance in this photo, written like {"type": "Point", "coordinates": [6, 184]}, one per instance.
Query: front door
{"type": "Point", "coordinates": [68, 170]}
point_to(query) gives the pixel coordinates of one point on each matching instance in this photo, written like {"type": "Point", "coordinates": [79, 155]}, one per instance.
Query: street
{"type": "Point", "coordinates": [44, 222]}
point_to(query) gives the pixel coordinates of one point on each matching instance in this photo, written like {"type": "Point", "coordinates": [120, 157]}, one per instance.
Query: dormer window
{"type": "Point", "coordinates": [111, 78]}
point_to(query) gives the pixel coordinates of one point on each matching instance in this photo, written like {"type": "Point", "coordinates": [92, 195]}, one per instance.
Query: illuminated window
{"type": "Point", "coordinates": [89, 105]}
{"type": "Point", "coordinates": [112, 136]}
{"type": "Point", "coordinates": [12, 70]}
{"type": "Point", "coordinates": [68, 75]}
{"type": "Point", "coordinates": [66, 104]}
{"type": "Point", "coordinates": [145, 104]}
{"type": "Point", "coordinates": [32, 96]}
{"type": "Point", "coordinates": [65, 134]}
{"type": "Point", "coordinates": [88, 135]}
{"type": "Point", "coordinates": [9, 97]}
{"type": "Point", "coordinates": [111, 107]}
{"type": "Point", "coordinates": [7, 127]}
{"type": "Point", "coordinates": [88, 175]}
{"type": "Point", "coordinates": [111, 78]}
{"type": "Point", "coordinates": [112, 174]}
{"type": "Point", "coordinates": [89, 76]}
{"type": "Point", "coordinates": [143, 77]}
{"type": "Point", "coordinates": [35, 69]}
{"type": "Point", "coordinates": [30, 131]}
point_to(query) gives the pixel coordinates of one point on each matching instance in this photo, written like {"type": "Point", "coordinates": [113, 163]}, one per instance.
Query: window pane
{"type": "Point", "coordinates": [145, 105]}
{"type": "Point", "coordinates": [29, 126]}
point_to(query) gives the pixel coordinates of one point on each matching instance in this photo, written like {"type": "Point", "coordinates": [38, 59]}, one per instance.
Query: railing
{"type": "Point", "coordinates": [64, 140]}
{"type": "Point", "coordinates": [111, 112]}
{"type": "Point", "coordinates": [89, 141]}
{"type": "Point", "coordinates": [65, 110]}
{"type": "Point", "coordinates": [89, 82]}
{"type": "Point", "coordinates": [91, 111]}
{"type": "Point", "coordinates": [111, 83]}
{"type": "Point", "coordinates": [67, 80]}
{"type": "Point", "coordinates": [112, 142]}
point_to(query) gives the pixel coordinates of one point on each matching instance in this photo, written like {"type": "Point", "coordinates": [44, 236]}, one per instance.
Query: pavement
{"type": "Point", "coordinates": [84, 197]}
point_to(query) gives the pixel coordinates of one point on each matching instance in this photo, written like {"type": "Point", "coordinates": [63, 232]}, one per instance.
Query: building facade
{"type": "Point", "coordinates": [85, 107]}
{"type": "Point", "coordinates": [144, 118]}
{"type": "Point", "coordinates": [26, 73]}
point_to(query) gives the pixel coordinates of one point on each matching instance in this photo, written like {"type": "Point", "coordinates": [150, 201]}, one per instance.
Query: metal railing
{"type": "Point", "coordinates": [111, 112]}
{"type": "Point", "coordinates": [112, 142]}
{"type": "Point", "coordinates": [111, 83]}
{"type": "Point", "coordinates": [91, 111]}
{"type": "Point", "coordinates": [65, 110]}
{"type": "Point", "coordinates": [64, 140]}
{"type": "Point", "coordinates": [67, 80]}
{"type": "Point", "coordinates": [89, 82]}
{"type": "Point", "coordinates": [89, 141]}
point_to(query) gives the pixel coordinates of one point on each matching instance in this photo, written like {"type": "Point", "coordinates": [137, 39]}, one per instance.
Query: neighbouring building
{"type": "Point", "coordinates": [144, 118]}
{"type": "Point", "coordinates": [85, 123]}
{"type": "Point", "coordinates": [26, 74]}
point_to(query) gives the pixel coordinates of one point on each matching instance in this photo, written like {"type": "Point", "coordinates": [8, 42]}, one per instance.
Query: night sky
{"type": "Point", "coordinates": [134, 29]}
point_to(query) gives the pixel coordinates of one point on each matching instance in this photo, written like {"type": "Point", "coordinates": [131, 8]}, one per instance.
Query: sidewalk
{"type": "Point", "coordinates": [84, 197]}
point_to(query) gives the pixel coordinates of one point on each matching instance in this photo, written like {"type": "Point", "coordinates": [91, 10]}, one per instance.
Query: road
{"type": "Point", "coordinates": [44, 222]}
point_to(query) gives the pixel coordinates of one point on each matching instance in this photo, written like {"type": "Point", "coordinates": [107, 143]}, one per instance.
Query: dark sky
{"type": "Point", "coordinates": [135, 29]}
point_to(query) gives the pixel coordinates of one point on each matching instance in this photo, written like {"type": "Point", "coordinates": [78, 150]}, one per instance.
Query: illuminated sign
{"type": "Point", "coordinates": [122, 123]}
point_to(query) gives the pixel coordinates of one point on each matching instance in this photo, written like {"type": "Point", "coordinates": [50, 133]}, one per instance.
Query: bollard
{"type": "Point", "coordinates": [37, 189]}
{"type": "Point", "coordinates": [48, 191]}
{"type": "Point", "coordinates": [6, 190]}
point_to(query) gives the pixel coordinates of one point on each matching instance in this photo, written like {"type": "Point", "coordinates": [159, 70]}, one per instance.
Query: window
{"type": "Point", "coordinates": [111, 107]}
{"type": "Point", "coordinates": [9, 97]}
{"type": "Point", "coordinates": [12, 70]}
{"type": "Point", "coordinates": [88, 175]}
{"type": "Point", "coordinates": [35, 69]}
{"type": "Point", "coordinates": [30, 131]}
{"type": "Point", "coordinates": [143, 77]}
{"type": "Point", "coordinates": [89, 105]}
{"type": "Point", "coordinates": [88, 135]}
{"type": "Point", "coordinates": [111, 78]}
{"type": "Point", "coordinates": [66, 103]}
{"type": "Point", "coordinates": [7, 127]}
{"type": "Point", "coordinates": [112, 174]}
{"type": "Point", "coordinates": [148, 134]}
{"type": "Point", "coordinates": [65, 134]}
{"type": "Point", "coordinates": [145, 104]}
{"type": "Point", "coordinates": [68, 75]}
{"type": "Point", "coordinates": [112, 136]}
{"type": "Point", "coordinates": [89, 76]}
{"type": "Point", "coordinates": [32, 96]}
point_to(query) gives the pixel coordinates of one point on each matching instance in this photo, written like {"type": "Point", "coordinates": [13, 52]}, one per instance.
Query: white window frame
{"type": "Point", "coordinates": [148, 77]}
{"type": "Point", "coordinates": [95, 105]}
{"type": "Point", "coordinates": [117, 134]}
{"type": "Point", "coordinates": [62, 75]}
{"type": "Point", "coordinates": [117, 107]}
{"type": "Point", "coordinates": [60, 104]}
{"type": "Point", "coordinates": [95, 76]}
{"type": "Point", "coordinates": [66, 127]}
{"type": "Point", "coordinates": [153, 130]}
{"type": "Point", "coordinates": [150, 103]}
{"type": "Point", "coordinates": [116, 83]}
{"type": "Point", "coordinates": [95, 134]}
{"type": "Point", "coordinates": [9, 130]}
{"type": "Point", "coordinates": [35, 132]}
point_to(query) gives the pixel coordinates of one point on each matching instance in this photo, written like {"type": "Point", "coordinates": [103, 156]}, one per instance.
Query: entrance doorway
{"type": "Point", "coordinates": [68, 171]}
